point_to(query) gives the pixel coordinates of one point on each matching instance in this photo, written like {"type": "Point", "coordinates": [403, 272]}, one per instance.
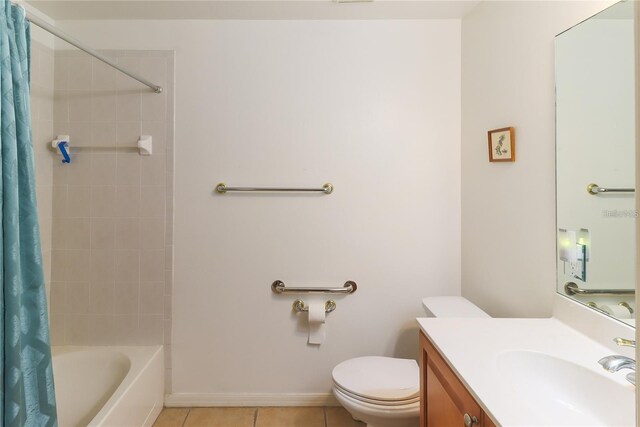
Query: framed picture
{"type": "Point", "coordinates": [502, 145]}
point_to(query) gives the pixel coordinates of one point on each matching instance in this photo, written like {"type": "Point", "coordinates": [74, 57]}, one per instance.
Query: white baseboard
{"type": "Point", "coordinates": [249, 399]}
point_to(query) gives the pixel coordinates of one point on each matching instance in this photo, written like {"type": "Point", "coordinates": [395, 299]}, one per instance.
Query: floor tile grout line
{"type": "Point", "coordinates": [184, 422]}
{"type": "Point", "coordinates": [255, 417]}
{"type": "Point", "coordinates": [324, 412]}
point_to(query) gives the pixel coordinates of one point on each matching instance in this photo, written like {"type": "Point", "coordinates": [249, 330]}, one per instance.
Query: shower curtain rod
{"type": "Point", "coordinates": [56, 32]}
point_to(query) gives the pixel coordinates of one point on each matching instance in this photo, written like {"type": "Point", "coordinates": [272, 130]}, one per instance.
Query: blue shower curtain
{"type": "Point", "coordinates": [25, 354]}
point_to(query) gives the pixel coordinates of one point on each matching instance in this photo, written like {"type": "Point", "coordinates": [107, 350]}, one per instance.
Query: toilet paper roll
{"type": "Point", "coordinates": [317, 327]}
{"type": "Point", "coordinates": [616, 311]}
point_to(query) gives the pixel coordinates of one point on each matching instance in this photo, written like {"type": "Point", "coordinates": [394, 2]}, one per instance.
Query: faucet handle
{"type": "Point", "coordinates": [625, 342]}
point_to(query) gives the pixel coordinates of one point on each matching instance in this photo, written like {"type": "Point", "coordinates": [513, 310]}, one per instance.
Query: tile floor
{"type": "Point", "coordinates": [256, 417]}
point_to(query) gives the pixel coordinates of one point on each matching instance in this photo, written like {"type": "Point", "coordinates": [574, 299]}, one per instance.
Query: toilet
{"type": "Point", "coordinates": [385, 391]}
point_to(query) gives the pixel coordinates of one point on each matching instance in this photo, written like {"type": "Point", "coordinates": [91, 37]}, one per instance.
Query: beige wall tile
{"type": "Point", "coordinates": [127, 266]}
{"type": "Point", "coordinates": [154, 69]}
{"type": "Point", "coordinates": [127, 233]}
{"type": "Point", "coordinates": [57, 327]}
{"type": "Point", "coordinates": [76, 329]}
{"type": "Point", "coordinates": [154, 106]}
{"type": "Point", "coordinates": [80, 136]}
{"type": "Point", "coordinates": [101, 330]}
{"type": "Point", "coordinates": [61, 74]}
{"type": "Point", "coordinates": [103, 108]}
{"type": "Point", "coordinates": [152, 203]}
{"type": "Point", "coordinates": [102, 297]}
{"type": "Point", "coordinates": [77, 232]}
{"type": "Point", "coordinates": [290, 417]}
{"type": "Point", "coordinates": [221, 417]}
{"type": "Point", "coordinates": [126, 328]}
{"type": "Point", "coordinates": [128, 133]}
{"type": "Point", "coordinates": [58, 294]}
{"type": "Point", "coordinates": [152, 298]}
{"type": "Point", "coordinates": [78, 265]}
{"type": "Point", "coordinates": [152, 170]}
{"type": "Point", "coordinates": [79, 106]}
{"type": "Point", "coordinates": [60, 106]}
{"type": "Point", "coordinates": [96, 204]}
{"type": "Point", "coordinates": [103, 263]}
{"type": "Point", "coordinates": [103, 135]}
{"type": "Point", "coordinates": [128, 107]}
{"type": "Point", "coordinates": [158, 131]}
{"type": "Point", "coordinates": [125, 83]}
{"type": "Point", "coordinates": [150, 329]}
{"type": "Point", "coordinates": [80, 72]}
{"type": "Point", "coordinates": [152, 266]}
{"type": "Point", "coordinates": [126, 298]}
{"type": "Point", "coordinates": [103, 233]}
{"type": "Point", "coordinates": [128, 168]}
{"type": "Point", "coordinates": [104, 77]}
{"type": "Point", "coordinates": [59, 266]}
{"type": "Point", "coordinates": [152, 233]}
{"type": "Point", "coordinates": [127, 201]}
{"type": "Point", "coordinates": [103, 201]}
{"type": "Point", "coordinates": [78, 201]}
{"type": "Point", "coordinates": [103, 168]}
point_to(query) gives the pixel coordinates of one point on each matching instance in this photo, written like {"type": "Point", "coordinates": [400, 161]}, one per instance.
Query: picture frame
{"type": "Point", "coordinates": [502, 145]}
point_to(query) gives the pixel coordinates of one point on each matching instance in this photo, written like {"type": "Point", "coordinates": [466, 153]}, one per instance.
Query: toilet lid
{"type": "Point", "coordinates": [379, 378]}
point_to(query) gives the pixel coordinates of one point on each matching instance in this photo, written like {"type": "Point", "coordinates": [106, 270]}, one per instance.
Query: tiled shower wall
{"type": "Point", "coordinates": [42, 130]}
{"type": "Point", "coordinates": [112, 208]}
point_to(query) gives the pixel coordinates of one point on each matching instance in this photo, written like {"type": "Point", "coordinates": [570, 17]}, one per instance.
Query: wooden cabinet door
{"type": "Point", "coordinates": [444, 399]}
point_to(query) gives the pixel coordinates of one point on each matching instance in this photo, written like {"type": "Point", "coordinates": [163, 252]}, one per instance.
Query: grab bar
{"type": "Point", "coordinates": [570, 288]}
{"type": "Point", "coordinates": [595, 189]}
{"type": "Point", "coordinates": [348, 288]}
{"type": "Point", "coordinates": [326, 189]}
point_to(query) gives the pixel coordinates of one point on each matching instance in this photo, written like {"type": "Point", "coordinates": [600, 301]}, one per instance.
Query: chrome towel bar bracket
{"type": "Point", "coordinates": [348, 288]}
{"type": "Point", "coordinates": [298, 306]}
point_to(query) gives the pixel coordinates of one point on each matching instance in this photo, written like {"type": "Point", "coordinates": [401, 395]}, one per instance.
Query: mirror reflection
{"type": "Point", "coordinates": [595, 172]}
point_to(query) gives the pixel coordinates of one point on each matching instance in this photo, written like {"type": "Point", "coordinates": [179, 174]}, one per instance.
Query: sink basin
{"type": "Point", "coordinates": [571, 394]}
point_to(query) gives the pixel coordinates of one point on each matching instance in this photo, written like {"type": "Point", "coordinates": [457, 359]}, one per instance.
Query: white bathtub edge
{"type": "Point", "coordinates": [142, 388]}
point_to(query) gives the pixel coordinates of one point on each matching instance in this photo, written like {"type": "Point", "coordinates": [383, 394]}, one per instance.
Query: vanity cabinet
{"type": "Point", "coordinates": [444, 400]}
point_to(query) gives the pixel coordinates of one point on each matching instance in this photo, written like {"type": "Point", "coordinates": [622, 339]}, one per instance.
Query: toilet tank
{"type": "Point", "coordinates": [451, 307]}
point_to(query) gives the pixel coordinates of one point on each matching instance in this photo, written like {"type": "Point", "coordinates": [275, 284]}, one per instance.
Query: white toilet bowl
{"type": "Point", "coordinates": [380, 391]}
{"type": "Point", "coordinates": [385, 391]}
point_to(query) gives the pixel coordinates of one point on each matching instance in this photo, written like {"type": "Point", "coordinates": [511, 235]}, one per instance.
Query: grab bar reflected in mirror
{"type": "Point", "coordinates": [570, 288]}
{"type": "Point", "coordinates": [595, 189]}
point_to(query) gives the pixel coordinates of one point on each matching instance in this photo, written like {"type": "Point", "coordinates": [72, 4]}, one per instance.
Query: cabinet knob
{"type": "Point", "coordinates": [470, 420]}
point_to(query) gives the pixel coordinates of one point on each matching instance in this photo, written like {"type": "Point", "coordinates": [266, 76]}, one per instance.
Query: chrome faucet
{"type": "Point", "coordinates": [615, 363]}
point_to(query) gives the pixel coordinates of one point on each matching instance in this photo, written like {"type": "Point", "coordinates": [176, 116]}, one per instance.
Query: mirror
{"type": "Point", "coordinates": [595, 162]}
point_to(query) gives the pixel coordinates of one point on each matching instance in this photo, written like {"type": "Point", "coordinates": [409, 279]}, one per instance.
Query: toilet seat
{"type": "Point", "coordinates": [376, 402]}
{"type": "Point", "coordinates": [383, 381]}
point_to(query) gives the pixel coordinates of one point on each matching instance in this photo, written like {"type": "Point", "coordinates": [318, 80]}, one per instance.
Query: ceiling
{"type": "Point", "coordinates": [253, 9]}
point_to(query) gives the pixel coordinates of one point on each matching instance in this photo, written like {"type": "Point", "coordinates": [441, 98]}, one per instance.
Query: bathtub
{"type": "Point", "coordinates": [108, 386]}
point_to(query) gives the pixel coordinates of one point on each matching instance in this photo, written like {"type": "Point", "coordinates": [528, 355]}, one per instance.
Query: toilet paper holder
{"type": "Point", "coordinates": [298, 306]}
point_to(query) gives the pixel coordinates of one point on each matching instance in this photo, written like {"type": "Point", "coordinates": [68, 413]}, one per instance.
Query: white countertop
{"type": "Point", "coordinates": [476, 348]}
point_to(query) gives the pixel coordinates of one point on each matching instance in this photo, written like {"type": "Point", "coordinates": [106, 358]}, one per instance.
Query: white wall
{"type": "Point", "coordinates": [508, 238]}
{"type": "Point", "coordinates": [371, 106]}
